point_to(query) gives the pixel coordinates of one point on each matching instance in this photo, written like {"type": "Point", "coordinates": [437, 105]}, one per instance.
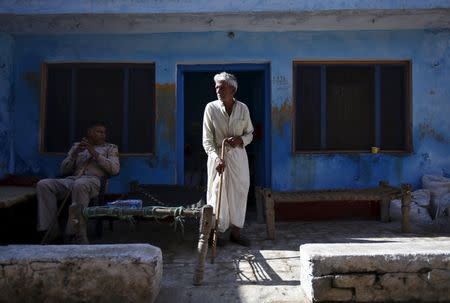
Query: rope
{"type": "Point", "coordinates": [151, 197]}
{"type": "Point", "coordinates": [161, 203]}
{"type": "Point", "coordinates": [92, 212]}
{"type": "Point", "coordinates": [153, 212]}
{"type": "Point", "coordinates": [178, 219]}
{"type": "Point", "coordinates": [147, 212]}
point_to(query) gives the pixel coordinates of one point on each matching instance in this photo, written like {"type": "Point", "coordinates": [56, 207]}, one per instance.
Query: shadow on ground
{"type": "Point", "coordinates": [267, 271]}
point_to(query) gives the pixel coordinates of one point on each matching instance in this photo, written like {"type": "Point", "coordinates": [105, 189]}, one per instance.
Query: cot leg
{"type": "Point", "coordinates": [384, 210]}
{"type": "Point", "coordinates": [270, 214]}
{"type": "Point", "coordinates": [259, 205]}
{"type": "Point", "coordinates": [384, 204]}
{"type": "Point", "coordinates": [406, 204]}
{"type": "Point", "coordinates": [206, 222]}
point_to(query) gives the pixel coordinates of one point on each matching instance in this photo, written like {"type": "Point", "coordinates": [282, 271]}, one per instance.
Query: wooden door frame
{"type": "Point", "coordinates": [181, 69]}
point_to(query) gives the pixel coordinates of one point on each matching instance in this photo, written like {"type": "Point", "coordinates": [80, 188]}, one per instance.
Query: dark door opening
{"type": "Point", "coordinates": [198, 91]}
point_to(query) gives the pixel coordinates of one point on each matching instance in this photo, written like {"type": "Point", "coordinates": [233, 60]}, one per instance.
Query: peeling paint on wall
{"type": "Point", "coordinates": [33, 79]}
{"type": "Point", "coordinates": [289, 171]}
{"type": "Point", "coordinates": [4, 144]}
{"type": "Point", "coordinates": [425, 161]}
{"type": "Point", "coordinates": [304, 171]}
{"type": "Point", "coordinates": [426, 129]}
{"type": "Point", "coordinates": [32, 168]}
{"type": "Point", "coordinates": [281, 116]}
{"type": "Point", "coordinates": [6, 74]}
{"type": "Point", "coordinates": [398, 168]}
{"type": "Point", "coordinates": [173, 6]}
{"type": "Point", "coordinates": [165, 111]}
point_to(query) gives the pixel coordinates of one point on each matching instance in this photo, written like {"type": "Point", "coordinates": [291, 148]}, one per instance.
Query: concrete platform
{"type": "Point", "coordinates": [376, 272]}
{"type": "Point", "coordinates": [80, 273]}
{"type": "Point", "coordinates": [267, 271]}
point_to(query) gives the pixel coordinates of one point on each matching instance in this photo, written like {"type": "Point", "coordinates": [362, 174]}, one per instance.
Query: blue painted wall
{"type": "Point", "coordinates": [429, 52]}
{"type": "Point", "coordinates": [6, 80]}
{"type": "Point", "coordinates": [198, 6]}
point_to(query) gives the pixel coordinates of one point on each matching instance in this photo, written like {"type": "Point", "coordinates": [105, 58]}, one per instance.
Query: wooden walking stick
{"type": "Point", "coordinates": [55, 219]}
{"type": "Point", "coordinates": [216, 225]}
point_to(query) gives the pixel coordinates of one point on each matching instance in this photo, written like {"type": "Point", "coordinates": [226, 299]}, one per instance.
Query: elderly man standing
{"type": "Point", "coordinates": [227, 118]}
{"type": "Point", "coordinates": [86, 162]}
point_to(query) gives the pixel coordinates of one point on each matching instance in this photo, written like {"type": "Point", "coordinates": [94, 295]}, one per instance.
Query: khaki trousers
{"type": "Point", "coordinates": [49, 191]}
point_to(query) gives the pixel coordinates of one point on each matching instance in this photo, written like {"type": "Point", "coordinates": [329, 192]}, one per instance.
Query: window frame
{"type": "Point", "coordinates": [77, 64]}
{"type": "Point", "coordinates": [408, 103]}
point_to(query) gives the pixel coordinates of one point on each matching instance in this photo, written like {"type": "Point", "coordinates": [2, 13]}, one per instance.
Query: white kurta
{"type": "Point", "coordinates": [217, 125]}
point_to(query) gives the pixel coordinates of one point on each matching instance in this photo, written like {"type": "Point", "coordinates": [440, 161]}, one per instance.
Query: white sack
{"type": "Point", "coordinates": [438, 187]}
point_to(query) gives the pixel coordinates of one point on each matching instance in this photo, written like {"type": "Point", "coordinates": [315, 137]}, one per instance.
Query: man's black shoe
{"type": "Point", "coordinates": [241, 240]}
{"type": "Point", "coordinates": [222, 238]}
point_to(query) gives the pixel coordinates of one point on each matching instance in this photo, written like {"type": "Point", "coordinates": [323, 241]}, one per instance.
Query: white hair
{"type": "Point", "coordinates": [230, 79]}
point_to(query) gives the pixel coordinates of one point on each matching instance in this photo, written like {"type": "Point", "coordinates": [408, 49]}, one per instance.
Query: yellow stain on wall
{"type": "Point", "coordinates": [282, 115]}
{"type": "Point", "coordinates": [166, 109]}
{"type": "Point", "coordinates": [33, 79]}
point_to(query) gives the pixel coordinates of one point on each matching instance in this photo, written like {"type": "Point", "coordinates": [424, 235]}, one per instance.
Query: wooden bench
{"type": "Point", "coordinates": [17, 214]}
{"type": "Point", "coordinates": [13, 195]}
{"type": "Point", "coordinates": [266, 198]}
{"type": "Point", "coordinates": [14, 190]}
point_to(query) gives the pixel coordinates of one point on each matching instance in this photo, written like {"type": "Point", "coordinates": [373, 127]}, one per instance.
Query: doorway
{"type": "Point", "coordinates": [194, 90]}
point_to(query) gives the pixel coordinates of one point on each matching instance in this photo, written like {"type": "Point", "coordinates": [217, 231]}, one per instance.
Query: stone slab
{"type": "Point", "coordinates": [376, 272]}
{"type": "Point", "coordinates": [80, 273]}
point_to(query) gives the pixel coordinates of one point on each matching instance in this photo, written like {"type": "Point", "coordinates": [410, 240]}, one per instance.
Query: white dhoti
{"type": "Point", "coordinates": [236, 181]}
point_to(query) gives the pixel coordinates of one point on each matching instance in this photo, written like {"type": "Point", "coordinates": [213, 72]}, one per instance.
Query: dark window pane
{"type": "Point", "coordinates": [57, 114]}
{"type": "Point", "coordinates": [307, 120]}
{"type": "Point", "coordinates": [393, 107]}
{"type": "Point", "coordinates": [99, 96]}
{"type": "Point", "coordinates": [350, 107]}
{"type": "Point", "coordinates": [78, 94]}
{"type": "Point", "coordinates": [141, 110]}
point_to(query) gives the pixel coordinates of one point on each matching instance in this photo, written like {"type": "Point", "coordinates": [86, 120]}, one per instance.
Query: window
{"type": "Point", "coordinates": [352, 106]}
{"type": "Point", "coordinates": [120, 94]}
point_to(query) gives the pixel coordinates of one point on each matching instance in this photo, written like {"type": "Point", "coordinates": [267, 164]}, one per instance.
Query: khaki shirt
{"type": "Point", "coordinates": [217, 125]}
{"type": "Point", "coordinates": [106, 164]}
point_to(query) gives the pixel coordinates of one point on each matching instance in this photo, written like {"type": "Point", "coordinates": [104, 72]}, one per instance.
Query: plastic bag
{"type": "Point", "coordinates": [134, 204]}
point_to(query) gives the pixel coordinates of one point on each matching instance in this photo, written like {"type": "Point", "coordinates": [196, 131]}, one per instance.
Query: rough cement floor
{"type": "Point", "coordinates": [268, 271]}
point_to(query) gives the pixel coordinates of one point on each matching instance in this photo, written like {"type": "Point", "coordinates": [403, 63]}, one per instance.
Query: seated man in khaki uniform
{"type": "Point", "coordinates": [86, 162]}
